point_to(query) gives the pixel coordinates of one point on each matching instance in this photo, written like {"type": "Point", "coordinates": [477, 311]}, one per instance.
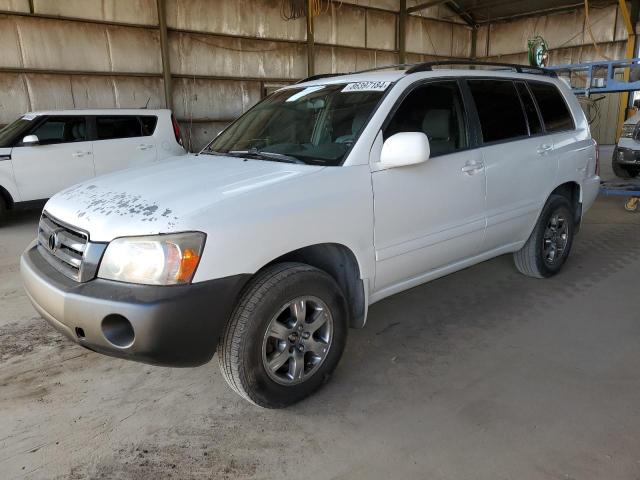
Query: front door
{"type": "Point", "coordinates": [63, 157]}
{"type": "Point", "coordinates": [432, 215]}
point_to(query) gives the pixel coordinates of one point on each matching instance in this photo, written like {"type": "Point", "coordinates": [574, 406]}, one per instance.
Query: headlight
{"type": "Point", "coordinates": [628, 130]}
{"type": "Point", "coordinates": [154, 260]}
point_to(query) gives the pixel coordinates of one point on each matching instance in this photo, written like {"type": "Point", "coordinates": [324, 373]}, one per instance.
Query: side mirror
{"type": "Point", "coordinates": [407, 148]}
{"type": "Point", "coordinates": [30, 140]}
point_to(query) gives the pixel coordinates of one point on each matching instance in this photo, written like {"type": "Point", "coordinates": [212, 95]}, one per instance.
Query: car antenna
{"type": "Point", "coordinates": [146, 105]}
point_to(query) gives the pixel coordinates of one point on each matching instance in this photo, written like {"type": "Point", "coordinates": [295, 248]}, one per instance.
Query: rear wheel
{"type": "Point", "coordinates": [550, 242]}
{"type": "Point", "coordinates": [286, 335]}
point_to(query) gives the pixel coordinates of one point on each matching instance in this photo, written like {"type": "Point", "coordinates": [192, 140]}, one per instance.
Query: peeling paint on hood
{"type": "Point", "coordinates": [165, 197]}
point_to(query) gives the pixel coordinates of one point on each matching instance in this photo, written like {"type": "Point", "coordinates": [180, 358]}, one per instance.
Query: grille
{"type": "Point", "coordinates": [62, 246]}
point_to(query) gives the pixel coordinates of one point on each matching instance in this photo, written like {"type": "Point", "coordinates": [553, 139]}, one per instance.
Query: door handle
{"type": "Point", "coordinates": [80, 154]}
{"type": "Point", "coordinates": [472, 168]}
{"type": "Point", "coordinates": [544, 149]}
{"type": "Point", "coordinates": [144, 146]}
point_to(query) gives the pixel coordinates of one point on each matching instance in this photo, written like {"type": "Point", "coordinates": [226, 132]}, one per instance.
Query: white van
{"type": "Point", "coordinates": [626, 155]}
{"type": "Point", "coordinates": [42, 153]}
{"type": "Point", "coordinates": [323, 199]}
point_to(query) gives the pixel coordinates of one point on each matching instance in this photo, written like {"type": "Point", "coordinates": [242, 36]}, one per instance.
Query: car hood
{"type": "Point", "coordinates": [165, 197]}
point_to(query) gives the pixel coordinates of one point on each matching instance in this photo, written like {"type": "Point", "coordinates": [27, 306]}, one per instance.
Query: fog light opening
{"type": "Point", "coordinates": [80, 333]}
{"type": "Point", "coordinates": [118, 330]}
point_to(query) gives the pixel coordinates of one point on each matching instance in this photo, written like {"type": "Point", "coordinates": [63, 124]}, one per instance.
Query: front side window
{"type": "Point", "coordinates": [108, 128]}
{"type": "Point", "coordinates": [554, 110]}
{"type": "Point", "coordinates": [13, 132]}
{"type": "Point", "coordinates": [314, 125]}
{"type": "Point", "coordinates": [435, 109]}
{"type": "Point", "coordinates": [499, 110]}
{"type": "Point", "coordinates": [61, 130]}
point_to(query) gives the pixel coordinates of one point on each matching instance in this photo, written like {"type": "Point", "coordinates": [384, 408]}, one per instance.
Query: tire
{"type": "Point", "coordinates": [270, 303]}
{"type": "Point", "coordinates": [623, 172]}
{"type": "Point", "coordinates": [3, 210]}
{"type": "Point", "coordinates": [535, 259]}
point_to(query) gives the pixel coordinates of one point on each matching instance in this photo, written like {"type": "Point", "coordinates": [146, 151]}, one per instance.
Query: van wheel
{"type": "Point", "coordinates": [550, 242]}
{"type": "Point", "coordinates": [286, 335]}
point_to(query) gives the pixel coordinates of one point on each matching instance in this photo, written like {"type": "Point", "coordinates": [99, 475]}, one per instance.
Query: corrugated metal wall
{"type": "Point", "coordinates": [568, 42]}
{"type": "Point", "coordinates": [223, 54]}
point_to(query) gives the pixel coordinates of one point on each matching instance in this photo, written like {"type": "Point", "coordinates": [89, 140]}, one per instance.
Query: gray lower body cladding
{"type": "Point", "coordinates": [175, 326]}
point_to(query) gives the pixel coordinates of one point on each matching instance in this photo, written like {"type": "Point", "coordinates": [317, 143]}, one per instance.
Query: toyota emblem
{"type": "Point", "coordinates": [53, 242]}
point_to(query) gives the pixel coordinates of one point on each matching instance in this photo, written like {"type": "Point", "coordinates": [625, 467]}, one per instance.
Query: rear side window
{"type": "Point", "coordinates": [112, 127]}
{"type": "Point", "coordinates": [499, 109]}
{"type": "Point", "coordinates": [533, 119]}
{"type": "Point", "coordinates": [553, 108]}
{"type": "Point", "coordinates": [61, 130]}
{"type": "Point", "coordinates": [148, 125]}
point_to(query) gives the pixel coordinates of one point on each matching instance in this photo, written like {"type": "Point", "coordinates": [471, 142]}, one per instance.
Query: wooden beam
{"type": "Point", "coordinates": [629, 53]}
{"type": "Point", "coordinates": [311, 56]}
{"type": "Point", "coordinates": [402, 33]}
{"type": "Point", "coordinates": [422, 6]}
{"type": "Point", "coordinates": [164, 50]}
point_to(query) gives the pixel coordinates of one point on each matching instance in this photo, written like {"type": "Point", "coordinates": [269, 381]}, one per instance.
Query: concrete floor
{"type": "Point", "coordinates": [484, 374]}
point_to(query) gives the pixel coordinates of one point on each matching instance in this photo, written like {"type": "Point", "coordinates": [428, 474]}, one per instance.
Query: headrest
{"type": "Point", "coordinates": [437, 124]}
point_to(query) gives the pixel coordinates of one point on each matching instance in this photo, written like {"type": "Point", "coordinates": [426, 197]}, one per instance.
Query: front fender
{"type": "Point", "coordinates": [248, 232]}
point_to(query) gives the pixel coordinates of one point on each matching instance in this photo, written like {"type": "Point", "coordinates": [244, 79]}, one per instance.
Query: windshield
{"type": "Point", "coordinates": [8, 133]}
{"type": "Point", "coordinates": [313, 125]}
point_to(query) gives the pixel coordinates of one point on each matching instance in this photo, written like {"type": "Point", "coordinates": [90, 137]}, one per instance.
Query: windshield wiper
{"type": "Point", "coordinates": [277, 157]}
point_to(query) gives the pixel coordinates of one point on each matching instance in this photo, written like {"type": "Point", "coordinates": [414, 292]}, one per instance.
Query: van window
{"type": "Point", "coordinates": [533, 119]}
{"type": "Point", "coordinates": [118, 127]}
{"type": "Point", "coordinates": [61, 130]}
{"type": "Point", "coordinates": [436, 109]}
{"type": "Point", "coordinates": [499, 109]}
{"type": "Point", "coordinates": [553, 107]}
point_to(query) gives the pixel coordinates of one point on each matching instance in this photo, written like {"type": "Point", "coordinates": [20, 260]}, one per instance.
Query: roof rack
{"type": "Point", "coordinates": [428, 66]}
{"type": "Point", "coordinates": [375, 69]}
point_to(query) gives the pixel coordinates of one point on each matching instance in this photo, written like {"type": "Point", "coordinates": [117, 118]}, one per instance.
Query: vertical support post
{"type": "Point", "coordinates": [631, 43]}
{"type": "Point", "coordinates": [311, 57]}
{"type": "Point", "coordinates": [402, 32]}
{"type": "Point", "coordinates": [31, 7]}
{"type": "Point", "coordinates": [164, 49]}
{"type": "Point", "coordinates": [474, 42]}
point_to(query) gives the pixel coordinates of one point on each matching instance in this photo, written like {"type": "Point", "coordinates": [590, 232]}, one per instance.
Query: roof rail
{"type": "Point", "coordinates": [319, 76]}
{"type": "Point", "coordinates": [384, 67]}
{"type": "Point", "coordinates": [428, 66]}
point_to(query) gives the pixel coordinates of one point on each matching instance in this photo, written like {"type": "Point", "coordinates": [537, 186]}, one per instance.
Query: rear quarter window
{"type": "Point", "coordinates": [553, 107]}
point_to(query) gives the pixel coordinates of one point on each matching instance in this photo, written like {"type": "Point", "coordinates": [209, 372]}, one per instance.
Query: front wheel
{"type": "Point", "coordinates": [286, 335]}
{"type": "Point", "coordinates": [550, 242]}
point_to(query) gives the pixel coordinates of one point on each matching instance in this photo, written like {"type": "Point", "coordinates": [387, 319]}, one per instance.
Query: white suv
{"type": "Point", "coordinates": [324, 198]}
{"type": "Point", "coordinates": [42, 153]}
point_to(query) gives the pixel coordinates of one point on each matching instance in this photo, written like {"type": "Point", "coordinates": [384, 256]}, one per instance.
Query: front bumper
{"type": "Point", "coordinates": [626, 156]}
{"type": "Point", "coordinates": [171, 325]}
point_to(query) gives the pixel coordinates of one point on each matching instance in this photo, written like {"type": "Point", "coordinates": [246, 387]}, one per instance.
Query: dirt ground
{"type": "Point", "coordinates": [484, 374]}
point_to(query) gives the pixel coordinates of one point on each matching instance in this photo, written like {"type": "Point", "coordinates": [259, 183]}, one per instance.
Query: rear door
{"type": "Point", "coordinates": [63, 157]}
{"type": "Point", "coordinates": [518, 157]}
{"type": "Point", "coordinates": [123, 141]}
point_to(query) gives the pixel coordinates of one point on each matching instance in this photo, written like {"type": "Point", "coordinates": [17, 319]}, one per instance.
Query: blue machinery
{"type": "Point", "coordinates": [600, 77]}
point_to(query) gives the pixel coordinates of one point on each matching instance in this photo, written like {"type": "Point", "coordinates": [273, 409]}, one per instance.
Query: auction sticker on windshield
{"type": "Point", "coordinates": [366, 87]}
